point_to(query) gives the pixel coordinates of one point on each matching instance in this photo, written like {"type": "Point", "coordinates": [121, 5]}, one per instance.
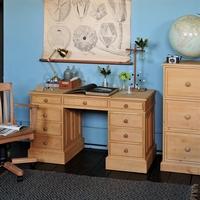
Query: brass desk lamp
{"type": "Point", "coordinates": [63, 53]}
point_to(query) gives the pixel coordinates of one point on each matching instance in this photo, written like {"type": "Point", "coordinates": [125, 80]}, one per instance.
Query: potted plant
{"type": "Point", "coordinates": [141, 44]}
{"type": "Point", "coordinates": [124, 77]}
{"type": "Point", "coordinates": [105, 71]}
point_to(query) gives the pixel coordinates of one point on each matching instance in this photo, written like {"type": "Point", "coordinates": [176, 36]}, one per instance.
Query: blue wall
{"type": "Point", "coordinates": [23, 46]}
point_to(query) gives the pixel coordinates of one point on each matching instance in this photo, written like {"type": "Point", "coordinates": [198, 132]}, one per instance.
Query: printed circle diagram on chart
{"type": "Point", "coordinates": [59, 37]}
{"type": "Point", "coordinates": [59, 9]}
{"type": "Point", "coordinates": [85, 38]}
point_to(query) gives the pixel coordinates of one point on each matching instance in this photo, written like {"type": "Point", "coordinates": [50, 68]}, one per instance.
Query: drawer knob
{"type": "Point", "coordinates": [45, 143]}
{"type": "Point", "coordinates": [45, 100]}
{"type": "Point", "coordinates": [85, 103]}
{"type": "Point", "coordinates": [187, 149]}
{"type": "Point", "coordinates": [44, 128]}
{"type": "Point", "coordinates": [125, 121]}
{"type": "Point", "coordinates": [125, 135]}
{"type": "Point", "coordinates": [44, 115]}
{"type": "Point", "coordinates": [125, 105]}
{"type": "Point", "coordinates": [125, 150]}
{"type": "Point", "coordinates": [188, 84]}
{"type": "Point", "coordinates": [187, 117]}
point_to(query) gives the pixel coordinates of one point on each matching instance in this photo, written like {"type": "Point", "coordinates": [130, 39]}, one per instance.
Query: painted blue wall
{"type": "Point", "coordinates": [23, 46]}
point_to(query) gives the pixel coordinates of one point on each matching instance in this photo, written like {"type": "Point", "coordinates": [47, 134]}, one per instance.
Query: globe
{"type": "Point", "coordinates": [184, 35]}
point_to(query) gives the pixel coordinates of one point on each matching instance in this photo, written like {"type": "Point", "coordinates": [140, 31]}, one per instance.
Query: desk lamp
{"type": "Point", "coordinates": [63, 53]}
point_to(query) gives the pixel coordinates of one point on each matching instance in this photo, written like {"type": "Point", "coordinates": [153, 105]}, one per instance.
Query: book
{"type": "Point", "coordinates": [9, 129]}
{"type": "Point", "coordinates": [93, 89]}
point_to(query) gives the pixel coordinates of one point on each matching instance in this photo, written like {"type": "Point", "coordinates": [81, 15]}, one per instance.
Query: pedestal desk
{"type": "Point", "coordinates": [58, 135]}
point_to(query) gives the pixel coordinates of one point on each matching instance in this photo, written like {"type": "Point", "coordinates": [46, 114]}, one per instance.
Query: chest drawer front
{"type": "Point", "coordinates": [125, 105]}
{"type": "Point", "coordinates": [183, 147]}
{"type": "Point", "coordinates": [49, 113]}
{"type": "Point", "coordinates": [126, 120]}
{"type": "Point", "coordinates": [131, 150]}
{"type": "Point", "coordinates": [46, 99]}
{"type": "Point", "coordinates": [86, 102]}
{"type": "Point", "coordinates": [50, 128]}
{"type": "Point", "coordinates": [182, 115]}
{"type": "Point", "coordinates": [47, 142]}
{"type": "Point", "coordinates": [125, 134]}
{"type": "Point", "coordinates": [182, 82]}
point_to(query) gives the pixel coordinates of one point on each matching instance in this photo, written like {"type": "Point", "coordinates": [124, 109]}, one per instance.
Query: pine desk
{"type": "Point", "coordinates": [58, 135]}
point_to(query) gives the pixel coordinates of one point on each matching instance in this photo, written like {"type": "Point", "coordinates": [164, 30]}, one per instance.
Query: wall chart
{"type": "Point", "coordinates": [96, 31]}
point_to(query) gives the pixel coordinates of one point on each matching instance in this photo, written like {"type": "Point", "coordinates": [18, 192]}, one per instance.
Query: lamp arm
{"type": "Point", "coordinates": [53, 69]}
{"type": "Point", "coordinates": [49, 59]}
{"type": "Point", "coordinates": [62, 53]}
{"type": "Point", "coordinates": [50, 64]}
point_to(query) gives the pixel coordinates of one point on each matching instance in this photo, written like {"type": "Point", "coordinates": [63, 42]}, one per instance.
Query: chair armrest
{"type": "Point", "coordinates": [27, 105]}
{"type": "Point", "coordinates": [33, 111]}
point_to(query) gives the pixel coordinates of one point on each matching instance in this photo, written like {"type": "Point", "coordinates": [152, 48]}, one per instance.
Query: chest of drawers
{"type": "Point", "coordinates": [181, 115]}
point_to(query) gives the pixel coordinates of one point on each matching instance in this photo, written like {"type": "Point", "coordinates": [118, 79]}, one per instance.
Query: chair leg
{"type": "Point", "coordinates": [23, 160]}
{"type": "Point", "coordinates": [14, 169]}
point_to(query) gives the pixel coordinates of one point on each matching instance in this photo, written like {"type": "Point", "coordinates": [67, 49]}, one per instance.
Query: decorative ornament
{"type": "Point", "coordinates": [184, 35]}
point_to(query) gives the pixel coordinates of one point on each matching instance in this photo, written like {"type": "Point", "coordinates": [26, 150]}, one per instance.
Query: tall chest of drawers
{"type": "Point", "coordinates": [181, 118]}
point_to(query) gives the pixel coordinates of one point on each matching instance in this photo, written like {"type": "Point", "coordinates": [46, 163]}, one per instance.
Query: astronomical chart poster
{"type": "Point", "coordinates": [95, 31]}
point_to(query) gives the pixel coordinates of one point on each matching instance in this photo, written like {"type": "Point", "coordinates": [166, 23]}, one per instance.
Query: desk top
{"type": "Point", "coordinates": [136, 95]}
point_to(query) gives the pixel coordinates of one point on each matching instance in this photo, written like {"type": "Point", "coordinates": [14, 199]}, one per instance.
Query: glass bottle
{"type": "Point", "coordinates": [67, 74]}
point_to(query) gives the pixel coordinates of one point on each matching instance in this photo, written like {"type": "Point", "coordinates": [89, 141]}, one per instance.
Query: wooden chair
{"type": "Point", "coordinates": [7, 118]}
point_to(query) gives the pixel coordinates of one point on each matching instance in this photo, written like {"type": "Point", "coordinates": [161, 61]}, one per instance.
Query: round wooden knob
{"type": "Point", "coordinates": [125, 105]}
{"type": "Point", "coordinates": [125, 150]}
{"type": "Point", "coordinates": [85, 103]}
{"type": "Point", "coordinates": [187, 84]}
{"type": "Point", "coordinates": [125, 121]}
{"type": "Point", "coordinates": [187, 149]}
{"type": "Point", "coordinates": [125, 135]}
{"type": "Point", "coordinates": [45, 100]}
{"type": "Point", "coordinates": [187, 117]}
{"type": "Point", "coordinates": [44, 128]}
{"type": "Point", "coordinates": [45, 143]}
{"type": "Point", "coordinates": [44, 115]}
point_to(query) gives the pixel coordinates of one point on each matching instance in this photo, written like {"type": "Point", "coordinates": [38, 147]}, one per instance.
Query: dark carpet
{"type": "Point", "coordinates": [57, 186]}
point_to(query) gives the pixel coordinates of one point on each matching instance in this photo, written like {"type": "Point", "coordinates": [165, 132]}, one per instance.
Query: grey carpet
{"type": "Point", "coordinates": [57, 186]}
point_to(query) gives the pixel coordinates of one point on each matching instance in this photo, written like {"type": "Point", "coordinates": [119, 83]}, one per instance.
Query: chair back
{"type": "Point", "coordinates": [6, 104]}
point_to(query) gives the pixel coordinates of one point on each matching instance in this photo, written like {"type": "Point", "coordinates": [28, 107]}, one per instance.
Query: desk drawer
{"type": "Point", "coordinates": [134, 120]}
{"type": "Point", "coordinates": [131, 150]}
{"type": "Point", "coordinates": [86, 102]}
{"type": "Point", "coordinates": [182, 115]}
{"type": "Point", "coordinates": [125, 105]}
{"type": "Point", "coordinates": [126, 134]}
{"type": "Point", "coordinates": [47, 142]}
{"type": "Point", "coordinates": [182, 82]}
{"type": "Point", "coordinates": [50, 128]}
{"type": "Point", "coordinates": [46, 99]}
{"type": "Point", "coordinates": [183, 147]}
{"type": "Point", "coordinates": [49, 113]}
